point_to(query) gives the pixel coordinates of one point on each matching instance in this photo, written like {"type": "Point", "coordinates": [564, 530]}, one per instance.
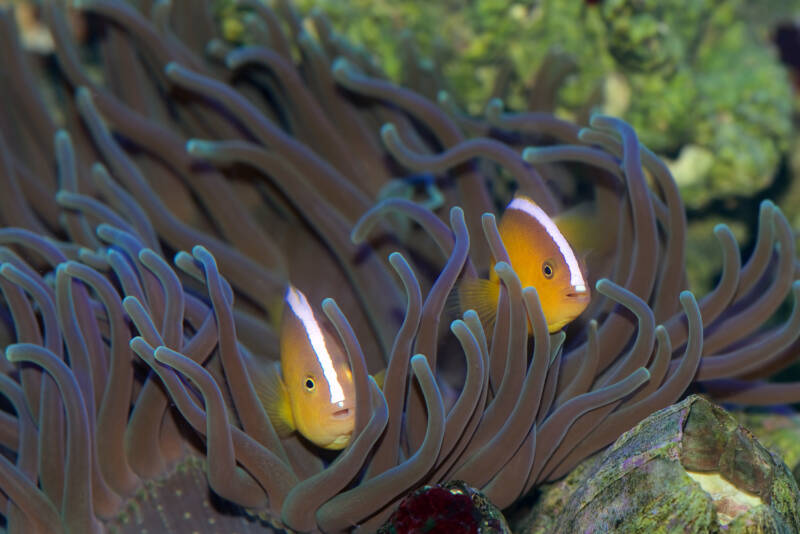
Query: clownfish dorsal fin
{"type": "Point", "coordinates": [580, 226]}
{"type": "Point", "coordinates": [274, 397]}
{"type": "Point", "coordinates": [380, 378]}
{"type": "Point", "coordinates": [275, 305]}
{"type": "Point", "coordinates": [480, 295]}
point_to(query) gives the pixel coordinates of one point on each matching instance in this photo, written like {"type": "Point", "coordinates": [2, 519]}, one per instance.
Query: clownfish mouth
{"type": "Point", "coordinates": [341, 414]}
{"type": "Point", "coordinates": [578, 293]}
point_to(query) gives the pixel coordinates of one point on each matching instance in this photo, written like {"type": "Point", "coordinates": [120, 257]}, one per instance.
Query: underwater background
{"type": "Point", "coordinates": [169, 167]}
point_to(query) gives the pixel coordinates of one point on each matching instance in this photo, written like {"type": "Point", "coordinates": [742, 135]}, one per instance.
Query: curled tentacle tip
{"type": "Point", "coordinates": [530, 290]}
{"type": "Point", "coordinates": [161, 353]}
{"type": "Point", "coordinates": [487, 217]}
{"type": "Point", "coordinates": [418, 359]}
{"type": "Point", "coordinates": [62, 197]}
{"type": "Point", "coordinates": [456, 213]}
{"type": "Point", "coordinates": [721, 228]}
{"type": "Point", "coordinates": [328, 303]}
{"type": "Point", "coordinates": [304, 38]}
{"type": "Point", "coordinates": [529, 153]}
{"type": "Point", "coordinates": [214, 46]}
{"type": "Point", "coordinates": [687, 298]}
{"type": "Point", "coordinates": [471, 314]}
{"type": "Point", "coordinates": [172, 69]}
{"type": "Point", "coordinates": [501, 267]}
{"type": "Point", "coordinates": [83, 95]}
{"type": "Point", "coordinates": [399, 262]}
{"type": "Point", "coordinates": [494, 108]}
{"type": "Point", "coordinates": [146, 253]}
{"type": "Point", "coordinates": [602, 284]}
{"type": "Point", "coordinates": [388, 131]}
{"type": "Point", "coordinates": [200, 252]}
{"type": "Point", "coordinates": [199, 147]}
{"type": "Point", "coordinates": [106, 232]}
{"type": "Point", "coordinates": [181, 256]}
{"type": "Point", "coordinates": [70, 266]}
{"type": "Point", "coordinates": [129, 301]}
{"type": "Point", "coordinates": [91, 257]}
{"type": "Point", "coordinates": [341, 68]}
{"type": "Point", "coordinates": [456, 324]}
{"type": "Point", "coordinates": [357, 236]}
{"type": "Point", "coordinates": [62, 136]}
{"type": "Point", "coordinates": [767, 204]}
{"type": "Point", "coordinates": [233, 60]}
{"type": "Point", "coordinates": [13, 352]}
{"type": "Point", "coordinates": [251, 19]}
{"type": "Point", "coordinates": [599, 119]}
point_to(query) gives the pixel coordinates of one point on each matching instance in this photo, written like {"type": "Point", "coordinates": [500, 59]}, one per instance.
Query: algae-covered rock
{"type": "Point", "coordinates": [701, 74]}
{"type": "Point", "coordinates": [446, 508]}
{"type": "Point", "coordinates": [688, 468]}
{"type": "Point", "coordinates": [777, 430]}
{"type": "Point", "coordinates": [545, 514]}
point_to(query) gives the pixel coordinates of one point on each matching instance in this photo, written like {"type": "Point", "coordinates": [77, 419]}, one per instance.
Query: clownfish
{"type": "Point", "coordinates": [542, 258]}
{"type": "Point", "coordinates": [311, 390]}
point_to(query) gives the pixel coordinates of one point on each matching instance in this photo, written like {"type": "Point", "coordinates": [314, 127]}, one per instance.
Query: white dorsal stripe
{"type": "Point", "coordinates": [300, 307]}
{"type": "Point", "coordinates": [527, 206]}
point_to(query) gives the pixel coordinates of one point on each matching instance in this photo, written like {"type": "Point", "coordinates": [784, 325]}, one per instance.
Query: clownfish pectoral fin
{"type": "Point", "coordinates": [380, 378]}
{"type": "Point", "coordinates": [479, 295]}
{"type": "Point", "coordinates": [274, 396]}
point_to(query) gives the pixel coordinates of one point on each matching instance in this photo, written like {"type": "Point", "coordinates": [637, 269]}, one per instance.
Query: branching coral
{"type": "Point", "coordinates": [151, 224]}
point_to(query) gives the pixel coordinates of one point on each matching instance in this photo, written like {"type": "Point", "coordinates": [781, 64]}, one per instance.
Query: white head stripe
{"type": "Point", "coordinates": [575, 276]}
{"type": "Point", "coordinates": [299, 305]}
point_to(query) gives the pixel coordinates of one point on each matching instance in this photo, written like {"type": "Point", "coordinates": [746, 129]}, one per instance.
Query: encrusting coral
{"type": "Point", "coordinates": [152, 216]}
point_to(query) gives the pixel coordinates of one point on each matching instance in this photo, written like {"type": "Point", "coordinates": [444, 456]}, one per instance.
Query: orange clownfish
{"type": "Point", "coordinates": [542, 258]}
{"type": "Point", "coordinates": [311, 391]}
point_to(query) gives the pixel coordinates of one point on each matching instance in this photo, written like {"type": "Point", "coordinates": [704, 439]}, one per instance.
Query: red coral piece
{"type": "Point", "coordinates": [435, 510]}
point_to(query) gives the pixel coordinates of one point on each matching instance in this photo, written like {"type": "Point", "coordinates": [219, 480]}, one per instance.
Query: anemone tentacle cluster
{"type": "Point", "coordinates": [162, 189]}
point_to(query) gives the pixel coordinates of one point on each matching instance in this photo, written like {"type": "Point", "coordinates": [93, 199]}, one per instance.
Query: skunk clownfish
{"type": "Point", "coordinates": [542, 258]}
{"type": "Point", "coordinates": [311, 391]}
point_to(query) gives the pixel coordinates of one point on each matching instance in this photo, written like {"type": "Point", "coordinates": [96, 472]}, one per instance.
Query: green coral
{"type": "Point", "coordinates": [686, 73]}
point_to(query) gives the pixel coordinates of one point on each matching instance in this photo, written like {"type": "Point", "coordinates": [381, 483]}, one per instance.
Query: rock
{"type": "Point", "coordinates": [778, 429]}
{"type": "Point", "coordinates": [687, 468]}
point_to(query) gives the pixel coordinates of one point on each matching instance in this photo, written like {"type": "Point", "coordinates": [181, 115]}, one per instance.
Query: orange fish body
{"type": "Point", "coordinates": [542, 258]}
{"type": "Point", "coordinates": [312, 390]}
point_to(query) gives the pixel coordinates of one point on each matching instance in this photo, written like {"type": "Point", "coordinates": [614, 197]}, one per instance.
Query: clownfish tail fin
{"type": "Point", "coordinates": [479, 295]}
{"type": "Point", "coordinates": [272, 392]}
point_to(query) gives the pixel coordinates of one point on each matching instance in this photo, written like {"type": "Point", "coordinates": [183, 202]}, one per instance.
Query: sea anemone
{"type": "Point", "coordinates": [160, 193]}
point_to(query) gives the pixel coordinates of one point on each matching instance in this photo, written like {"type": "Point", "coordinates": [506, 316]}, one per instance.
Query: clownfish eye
{"type": "Point", "coordinates": [309, 384]}
{"type": "Point", "coordinates": [547, 269]}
